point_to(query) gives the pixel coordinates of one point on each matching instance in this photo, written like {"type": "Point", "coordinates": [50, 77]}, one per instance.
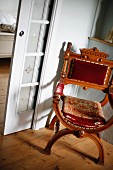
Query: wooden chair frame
{"type": "Point", "coordinates": [90, 55]}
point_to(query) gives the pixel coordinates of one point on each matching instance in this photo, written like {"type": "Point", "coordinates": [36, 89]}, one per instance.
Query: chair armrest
{"type": "Point", "coordinates": [111, 89]}
{"type": "Point", "coordinates": [104, 101]}
{"type": "Point", "coordinates": [59, 89]}
{"type": "Point", "coordinates": [110, 95]}
{"type": "Point", "coordinates": [110, 99]}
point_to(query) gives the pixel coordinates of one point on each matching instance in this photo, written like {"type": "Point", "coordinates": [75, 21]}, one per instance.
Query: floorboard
{"type": "Point", "coordinates": [4, 76]}
{"type": "Point", "coordinates": [24, 150]}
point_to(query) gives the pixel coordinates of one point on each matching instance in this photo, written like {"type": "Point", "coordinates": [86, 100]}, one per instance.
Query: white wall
{"type": "Point", "coordinates": [108, 20]}
{"type": "Point", "coordinates": [11, 4]}
{"type": "Point", "coordinates": [11, 7]}
{"type": "Point", "coordinates": [103, 20]}
{"type": "Point", "coordinates": [73, 23]}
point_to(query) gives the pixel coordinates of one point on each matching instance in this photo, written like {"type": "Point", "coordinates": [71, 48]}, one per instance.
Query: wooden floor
{"type": "Point", "coordinates": [24, 151]}
{"type": "Point", "coordinates": [4, 76]}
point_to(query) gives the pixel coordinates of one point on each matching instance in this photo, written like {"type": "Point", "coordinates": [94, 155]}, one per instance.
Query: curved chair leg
{"type": "Point", "coordinates": [51, 126]}
{"type": "Point", "coordinates": [55, 137]}
{"type": "Point", "coordinates": [97, 141]}
{"type": "Point", "coordinates": [78, 134]}
{"type": "Point", "coordinates": [57, 126]}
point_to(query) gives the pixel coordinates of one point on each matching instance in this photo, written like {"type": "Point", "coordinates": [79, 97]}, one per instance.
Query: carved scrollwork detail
{"type": "Point", "coordinates": [79, 133]}
{"type": "Point", "coordinates": [93, 52]}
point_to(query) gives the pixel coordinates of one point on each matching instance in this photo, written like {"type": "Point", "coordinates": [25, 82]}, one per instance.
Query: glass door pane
{"type": "Point", "coordinates": [34, 53]}
{"type": "Point", "coordinates": [38, 9]}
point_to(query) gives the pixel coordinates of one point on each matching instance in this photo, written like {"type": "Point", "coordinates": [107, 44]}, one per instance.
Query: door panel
{"type": "Point", "coordinates": [27, 64]}
{"type": "Point", "coordinates": [13, 120]}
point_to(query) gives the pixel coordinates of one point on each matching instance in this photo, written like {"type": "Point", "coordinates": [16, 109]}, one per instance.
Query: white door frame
{"type": "Point", "coordinates": [37, 123]}
{"type": "Point", "coordinates": [15, 121]}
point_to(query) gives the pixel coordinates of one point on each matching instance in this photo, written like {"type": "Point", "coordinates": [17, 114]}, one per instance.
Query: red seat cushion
{"type": "Point", "coordinates": [81, 112]}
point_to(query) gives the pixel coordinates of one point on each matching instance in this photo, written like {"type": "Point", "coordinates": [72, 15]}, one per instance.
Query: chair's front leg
{"type": "Point", "coordinates": [52, 124]}
{"type": "Point", "coordinates": [57, 126]}
{"type": "Point", "coordinates": [55, 137]}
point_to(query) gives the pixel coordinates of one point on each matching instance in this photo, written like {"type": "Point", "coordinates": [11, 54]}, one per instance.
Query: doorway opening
{"type": "Point", "coordinates": [8, 19]}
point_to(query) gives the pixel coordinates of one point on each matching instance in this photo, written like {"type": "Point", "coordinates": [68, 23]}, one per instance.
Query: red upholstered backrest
{"type": "Point", "coordinates": [87, 71]}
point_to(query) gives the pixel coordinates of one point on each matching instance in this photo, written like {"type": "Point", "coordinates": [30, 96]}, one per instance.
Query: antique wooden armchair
{"type": "Point", "coordinates": [81, 117]}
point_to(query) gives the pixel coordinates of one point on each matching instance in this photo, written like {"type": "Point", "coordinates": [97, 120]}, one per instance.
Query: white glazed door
{"type": "Point", "coordinates": [28, 56]}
